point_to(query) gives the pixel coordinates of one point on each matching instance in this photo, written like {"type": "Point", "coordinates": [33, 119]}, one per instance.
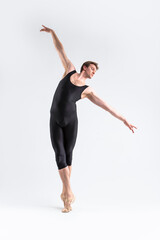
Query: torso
{"type": "Point", "coordinates": [66, 95]}
{"type": "Point", "coordinates": [77, 83]}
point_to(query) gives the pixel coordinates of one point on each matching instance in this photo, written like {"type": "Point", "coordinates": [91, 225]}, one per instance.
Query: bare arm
{"type": "Point", "coordinates": [92, 96]}
{"type": "Point", "coordinates": [67, 64]}
{"type": "Point", "coordinates": [60, 49]}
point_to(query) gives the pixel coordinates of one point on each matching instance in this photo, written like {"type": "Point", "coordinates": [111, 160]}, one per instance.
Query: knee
{"type": "Point", "coordinates": [61, 161]}
{"type": "Point", "coordinates": [69, 158]}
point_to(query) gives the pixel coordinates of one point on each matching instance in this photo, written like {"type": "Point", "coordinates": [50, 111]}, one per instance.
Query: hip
{"type": "Point", "coordinates": [62, 119]}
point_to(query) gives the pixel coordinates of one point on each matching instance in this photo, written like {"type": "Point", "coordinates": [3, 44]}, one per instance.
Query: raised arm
{"type": "Point", "coordinates": [67, 64]}
{"type": "Point", "coordinates": [92, 96]}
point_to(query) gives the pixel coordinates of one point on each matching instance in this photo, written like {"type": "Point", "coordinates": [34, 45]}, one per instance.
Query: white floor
{"type": "Point", "coordinates": [86, 220]}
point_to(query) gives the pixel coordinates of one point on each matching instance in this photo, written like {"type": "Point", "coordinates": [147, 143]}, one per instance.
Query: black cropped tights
{"type": "Point", "coordinates": [63, 139]}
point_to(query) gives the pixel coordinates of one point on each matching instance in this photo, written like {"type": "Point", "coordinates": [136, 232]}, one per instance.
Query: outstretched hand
{"type": "Point", "coordinates": [45, 29]}
{"type": "Point", "coordinates": [129, 125]}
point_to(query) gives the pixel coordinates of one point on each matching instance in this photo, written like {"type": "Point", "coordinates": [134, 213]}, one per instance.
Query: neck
{"type": "Point", "coordinates": [82, 76]}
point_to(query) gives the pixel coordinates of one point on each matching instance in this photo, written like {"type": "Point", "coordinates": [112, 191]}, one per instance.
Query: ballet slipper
{"type": "Point", "coordinates": [73, 199]}
{"type": "Point", "coordinates": [67, 201]}
{"type": "Point", "coordinates": [63, 198]}
{"type": "Point", "coordinates": [65, 210]}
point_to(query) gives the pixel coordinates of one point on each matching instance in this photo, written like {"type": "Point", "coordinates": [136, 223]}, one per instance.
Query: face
{"type": "Point", "coordinates": [90, 71]}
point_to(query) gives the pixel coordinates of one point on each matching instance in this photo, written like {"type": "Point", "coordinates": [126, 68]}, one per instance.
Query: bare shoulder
{"type": "Point", "coordinates": [70, 67]}
{"type": "Point", "coordinates": [88, 92]}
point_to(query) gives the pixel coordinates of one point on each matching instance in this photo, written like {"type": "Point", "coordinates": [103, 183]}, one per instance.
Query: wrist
{"type": "Point", "coordinates": [124, 120]}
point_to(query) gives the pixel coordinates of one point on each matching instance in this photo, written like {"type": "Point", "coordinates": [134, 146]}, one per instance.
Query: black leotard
{"type": "Point", "coordinates": [63, 119]}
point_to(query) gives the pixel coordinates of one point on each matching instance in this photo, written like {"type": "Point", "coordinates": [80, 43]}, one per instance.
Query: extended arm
{"type": "Point", "coordinates": [92, 96]}
{"type": "Point", "coordinates": [67, 64]}
{"type": "Point", "coordinates": [60, 49]}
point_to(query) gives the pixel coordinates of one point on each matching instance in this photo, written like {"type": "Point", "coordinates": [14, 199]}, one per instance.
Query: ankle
{"type": "Point", "coordinates": [68, 195]}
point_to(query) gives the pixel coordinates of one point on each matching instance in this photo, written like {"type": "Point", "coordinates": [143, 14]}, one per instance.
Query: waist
{"type": "Point", "coordinates": [63, 106]}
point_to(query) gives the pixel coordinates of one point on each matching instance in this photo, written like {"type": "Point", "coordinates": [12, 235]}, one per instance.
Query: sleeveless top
{"type": "Point", "coordinates": [63, 106]}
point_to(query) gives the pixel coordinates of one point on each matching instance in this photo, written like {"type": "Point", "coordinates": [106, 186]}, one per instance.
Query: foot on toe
{"type": "Point", "coordinates": [65, 210]}
{"type": "Point", "coordinates": [63, 198]}
{"type": "Point", "coordinates": [67, 205]}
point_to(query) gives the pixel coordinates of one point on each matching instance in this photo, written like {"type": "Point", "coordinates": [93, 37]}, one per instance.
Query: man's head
{"type": "Point", "coordinates": [90, 68]}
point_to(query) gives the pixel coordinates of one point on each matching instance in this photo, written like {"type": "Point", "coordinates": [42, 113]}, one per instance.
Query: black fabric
{"type": "Point", "coordinates": [64, 121]}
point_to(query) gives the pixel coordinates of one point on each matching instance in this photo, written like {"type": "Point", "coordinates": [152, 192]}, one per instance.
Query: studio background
{"type": "Point", "coordinates": [111, 165]}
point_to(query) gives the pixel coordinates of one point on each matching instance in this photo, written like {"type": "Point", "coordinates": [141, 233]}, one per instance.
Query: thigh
{"type": "Point", "coordinates": [57, 138]}
{"type": "Point", "coordinates": [70, 135]}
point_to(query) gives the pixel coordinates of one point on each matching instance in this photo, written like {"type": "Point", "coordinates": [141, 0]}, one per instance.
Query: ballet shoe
{"type": "Point", "coordinates": [63, 198]}
{"type": "Point", "coordinates": [65, 210]}
{"type": "Point", "coordinates": [67, 201]}
{"type": "Point", "coordinates": [73, 199]}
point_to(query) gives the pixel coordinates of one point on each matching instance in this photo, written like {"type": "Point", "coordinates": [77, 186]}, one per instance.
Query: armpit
{"type": "Point", "coordinates": [90, 92]}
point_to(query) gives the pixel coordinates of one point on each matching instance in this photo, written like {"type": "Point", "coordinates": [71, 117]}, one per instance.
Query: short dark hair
{"type": "Point", "coordinates": [87, 65]}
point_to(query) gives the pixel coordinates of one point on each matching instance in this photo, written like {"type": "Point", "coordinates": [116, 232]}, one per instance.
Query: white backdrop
{"type": "Point", "coordinates": [111, 165]}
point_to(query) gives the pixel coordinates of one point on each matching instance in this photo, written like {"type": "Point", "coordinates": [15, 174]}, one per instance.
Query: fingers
{"type": "Point", "coordinates": [43, 29]}
{"type": "Point", "coordinates": [43, 26]}
{"type": "Point", "coordinates": [131, 129]}
{"type": "Point", "coordinates": [46, 29]}
{"type": "Point", "coordinates": [133, 126]}
{"type": "Point", "coordinates": [130, 126]}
